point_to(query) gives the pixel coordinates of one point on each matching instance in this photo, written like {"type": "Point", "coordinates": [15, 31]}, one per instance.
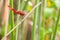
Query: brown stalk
{"type": "Point", "coordinates": [6, 17]}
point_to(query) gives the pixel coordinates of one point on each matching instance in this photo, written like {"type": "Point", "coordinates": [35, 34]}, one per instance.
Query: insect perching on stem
{"type": "Point", "coordinates": [21, 20]}
{"type": "Point", "coordinates": [22, 13]}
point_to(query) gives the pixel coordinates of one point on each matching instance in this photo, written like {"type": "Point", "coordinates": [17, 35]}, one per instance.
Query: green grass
{"type": "Point", "coordinates": [37, 13]}
{"type": "Point", "coordinates": [22, 24]}
{"type": "Point", "coordinates": [12, 20]}
{"type": "Point", "coordinates": [34, 22]}
{"type": "Point", "coordinates": [39, 25]}
{"type": "Point", "coordinates": [18, 16]}
{"type": "Point", "coordinates": [55, 30]}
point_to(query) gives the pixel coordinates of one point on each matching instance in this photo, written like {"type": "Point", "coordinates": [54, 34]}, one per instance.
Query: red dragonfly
{"type": "Point", "coordinates": [22, 13]}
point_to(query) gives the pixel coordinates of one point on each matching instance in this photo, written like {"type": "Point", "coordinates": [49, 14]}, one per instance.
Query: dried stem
{"type": "Point", "coordinates": [6, 11]}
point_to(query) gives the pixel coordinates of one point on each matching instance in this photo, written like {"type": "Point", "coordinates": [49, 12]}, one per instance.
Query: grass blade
{"type": "Point", "coordinates": [34, 22]}
{"type": "Point", "coordinates": [12, 19]}
{"type": "Point", "coordinates": [39, 25]}
{"type": "Point", "coordinates": [55, 30]}
{"type": "Point", "coordinates": [17, 20]}
{"type": "Point", "coordinates": [22, 25]}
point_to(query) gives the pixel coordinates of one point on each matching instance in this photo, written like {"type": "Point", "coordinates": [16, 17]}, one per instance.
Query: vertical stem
{"type": "Point", "coordinates": [12, 19]}
{"type": "Point", "coordinates": [6, 11]}
{"type": "Point", "coordinates": [3, 17]}
{"type": "Point", "coordinates": [24, 7]}
{"type": "Point", "coordinates": [34, 22]}
{"type": "Point", "coordinates": [39, 25]}
{"type": "Point", "coordinates": [17, 20]}
{"type": "Point", "coordinates": [55, 30]}
{"type": "Point", "coordinates": [43, 22]}
{"type": "Point", "coordinates": [43, 3]}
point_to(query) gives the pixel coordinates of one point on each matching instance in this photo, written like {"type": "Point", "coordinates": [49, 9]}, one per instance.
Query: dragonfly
{"type": "Point", "coordinates": [22, 13]}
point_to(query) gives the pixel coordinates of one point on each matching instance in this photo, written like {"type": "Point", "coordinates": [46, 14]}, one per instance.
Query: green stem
{"type": "Point", "coordinates": [24, 7]}
{"type": "Point", "coordinates": [22, 24]}
{"type": "Point", "coordinates": [12, 19]}
{"type": "Point", "coordinates": [40, 30]}
{"type": "Point", "coordinates": [34, 22]}
{"type": "Point", "coordinates": [43, 5]}
{"type": "Point", "coordinates": [54, 33]}
{"type": "Point", "coordinates": [17, 20]}
{"type": "Point", "coordinates": [39, 25]}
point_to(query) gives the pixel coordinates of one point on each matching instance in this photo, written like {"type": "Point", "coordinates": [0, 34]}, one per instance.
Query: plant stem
{"type": "Point", "coordinates": [39, 25]}
{"type": "Point", "coordinates": [43, 22]}
{"type": "Point", "coordinates": [17, 20]}
{"type": "Point", "coordinates": [22, 25]}
{"type": "Point", "coordinates": [12, 19]}
{"type": "Point", "coordinates": [55, 30]}
{"type": "Point", "coordinates": [34, 22]}
{"type": "Point", "coordinates": [43, 3]}
{"type": "Point", "coordinates": [6, 16]}
{"type": "Point", "coordinates": [24, 7]}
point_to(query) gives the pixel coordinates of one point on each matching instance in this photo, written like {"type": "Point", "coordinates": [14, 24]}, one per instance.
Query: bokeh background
{"type": "Point", "coordinates": [43, 23]}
